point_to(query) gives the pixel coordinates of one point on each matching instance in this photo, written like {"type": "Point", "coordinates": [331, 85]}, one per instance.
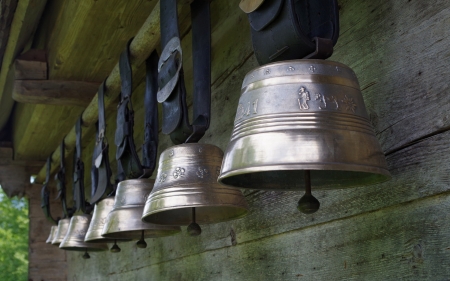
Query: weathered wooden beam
{"type": "Point", "coordinates": [24, 24]}
{"type": "Point", "coordinates": [31, 65]}
{"type": "Point", "coordinates": [56, 92]}
{"type": "Point", "coordinates": [7, 13]}
{"type": "Point", "coordinates": [145, 41]}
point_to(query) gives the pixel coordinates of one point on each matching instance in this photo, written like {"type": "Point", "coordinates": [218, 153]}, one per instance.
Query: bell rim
{"type": "Point", "coordinates": [307, 166]}
{"type": "Point", "coordinates": [112, 235]}
{"type": "Point", "coordinates": [243, 214]}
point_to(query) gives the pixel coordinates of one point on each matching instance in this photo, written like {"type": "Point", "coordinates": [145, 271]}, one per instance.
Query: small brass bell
{"type": "Point", "coordinates": [99, 216]}
{"type": "Point", "coordinates": [74, 239]}
{"type": "Point", "coordinates": [124, 220]}
{"type": "Point", "coordinates": [186, 189]}
{"type": "Point", "coordinates": [299, 124]}
{"type": "Point", "coordinates": [63, 226]}
{"type": "Point", "coordinates": [53, 230]}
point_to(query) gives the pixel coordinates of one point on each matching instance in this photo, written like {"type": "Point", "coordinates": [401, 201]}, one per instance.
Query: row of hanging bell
{"type": "Point", "coordinates": [300, 122]}
{"type": "Point", "coordinates": [79, 223]}
{"type": "Point", "coordinates": [186, 190]}
{"type": "Point", "coordinates": [119, 218]}
{"type": "Point", "coordinates": [58, 231]}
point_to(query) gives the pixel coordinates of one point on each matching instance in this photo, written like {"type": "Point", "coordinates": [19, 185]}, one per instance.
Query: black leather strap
{"type": "Point", "coordinates": [128, 164]}
{"type": "Point", "coordinates": [101, 171]}
{"type": "Point", "coordinates": [61, 179]}
{"type": "Point", "coordinates": [286, 29]}
{"type": "Point", "coordinates": [150, 145]}
{"type": "Point", "coordinates": [45, 194]}
{"type": "Point", "coordinates": [172, 92]}
{"type": "Point", "coordinates": [78, 177]}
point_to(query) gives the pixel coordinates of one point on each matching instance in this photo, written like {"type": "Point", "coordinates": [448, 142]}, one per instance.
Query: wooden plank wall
{"type": "Point", "coordinates": [398, 230]}
{"type": "Point", "coordinates": [46, 262]}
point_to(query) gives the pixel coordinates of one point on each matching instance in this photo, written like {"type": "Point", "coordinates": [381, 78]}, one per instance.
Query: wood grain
{"type": "Point", "coordinates": [31, 65]}
{"type": "Point", "coordinates": [54, 92]}
{"type": "Point", "coordinates": [24, 24]}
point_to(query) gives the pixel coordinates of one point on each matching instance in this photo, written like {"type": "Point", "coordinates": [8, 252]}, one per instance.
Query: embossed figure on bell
{"type": "Point", "coordinates": [304, 98]}
{"type": "Point", "coordinates": [311, 119]}
{"type": "Point", "coordinates": [74, 239]}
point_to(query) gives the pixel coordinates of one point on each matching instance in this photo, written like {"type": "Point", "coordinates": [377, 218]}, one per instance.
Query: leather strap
{"type": "Point", "coordinates": [78, 176]}
{"type": "Point", "coordinates": [172, 91]}
{"type": "Point", "coordinates": [45, 194]}
{"type": "Point", "coordinates": [128, 164]}
{"type": "Point", "coordinates": [60, 177]}
{"type": "Point", "coordinates": [150, 145]}
{"type": "Point", "coordinates": [101, 171]}
{"type": "Point", "coordinates": [293, 29]}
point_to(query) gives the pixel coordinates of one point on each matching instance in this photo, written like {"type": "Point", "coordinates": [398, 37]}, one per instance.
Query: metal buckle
{"type": "Point", "coordinates": [174, 45]}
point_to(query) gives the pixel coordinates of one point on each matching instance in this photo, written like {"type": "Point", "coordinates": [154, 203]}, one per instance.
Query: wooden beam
{"type": "Point", "coordinates": [31, 65]}
{"type": "Point", "coordinates": [7, 14]}
{"type": "Point", "coordinates": [145, 41]}
{"type": "Point", "coordinates": [56, 92]}
{"type": "Point", "coordinates": [24, 24]}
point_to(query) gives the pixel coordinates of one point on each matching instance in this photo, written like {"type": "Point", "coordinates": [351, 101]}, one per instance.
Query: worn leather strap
{"type": "Point", "coordinates": [286, 29]}
{"type": "Point", "coordinates": [60, 177]}
{"type": "Point", "coordinates": [150, 145]}
{"type": "Point", "coordinates": [172, 91]}
{"type": "Point", "coordinates": [78, 177]}
{"type": "Point", "coordinates": [128, 164]}
{"type": "Point", "coordinates": [45, 194]}
{"type": "Point", "coordinates": [101, 171]}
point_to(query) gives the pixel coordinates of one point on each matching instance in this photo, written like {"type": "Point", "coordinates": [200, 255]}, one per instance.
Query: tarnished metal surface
{"type": "Point", "coordinates": [124, 220]}
{"type": "Point", "coordinates": [101, 211]}
{"type": "Point", "coordinates": [302, 115]}
{"type": "Point", "coordinates": [63, 226]}
{"type": "Point", "coordinates": [249, 6]}
{"type": "Point", "coordinates": [74, 239]}
{"type": "Point", "coordinates": [187, 178]}
{"type": "Point", "coordinates": [53, 230]}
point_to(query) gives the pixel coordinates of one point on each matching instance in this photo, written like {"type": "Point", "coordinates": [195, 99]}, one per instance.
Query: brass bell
{"type": "Point", "coordinates": [124, 220]}
{"type": "Point", "coordinates": [186, 189]}
{"type": "Point", "coordinates": [301, 123]}
{"type": "Point", "coordinates": [101, 211]}
{"type": "Point", "coordinates": [53, 230]}
{"type": "Point", "coordinates": [63, 226]}
{"type": "Point", "coordinates": [74, 239]}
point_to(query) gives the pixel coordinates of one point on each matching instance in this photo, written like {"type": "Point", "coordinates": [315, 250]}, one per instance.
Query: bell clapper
{"type": "Point", "coordinates": [86, 255]}
{"type": "Point", "coordinates": [194, 229]}
{"type": "Point", "coordinates": [115, 248]}
{"type": "Point", "coordinates": [308, 204]}
{"type": "Point", "coordinates": [141, 243]}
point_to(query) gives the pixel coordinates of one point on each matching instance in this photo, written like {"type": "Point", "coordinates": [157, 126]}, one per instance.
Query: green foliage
{"type": "Point", "coordinates": [13, 238]}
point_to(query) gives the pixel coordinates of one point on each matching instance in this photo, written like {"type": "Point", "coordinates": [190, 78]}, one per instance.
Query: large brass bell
{"type": "Point", "coordinates": [74, 239]}
{"type": "Point", "coordinates": [53, 230]}
{"type": "Point", "coordinates": [124, 220]}
{"type": "Point", "coordinates": [186, 189]}
{"type": "Point", "coordinates": [63, 226]}
{"type": "Point", "coordinates": [301, 123]}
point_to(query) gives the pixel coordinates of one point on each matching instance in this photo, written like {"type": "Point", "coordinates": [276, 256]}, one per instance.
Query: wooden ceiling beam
{"type": "Point", "coordinates": [24, 24]}
{"type": "Point", "coordinates": [56, 92]}
{"type": "Point", "coordinates": [145, 41]}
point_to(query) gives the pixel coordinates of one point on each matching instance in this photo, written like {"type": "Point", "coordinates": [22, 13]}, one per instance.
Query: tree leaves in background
{"type": "Point", "coordinates": [13, 238]}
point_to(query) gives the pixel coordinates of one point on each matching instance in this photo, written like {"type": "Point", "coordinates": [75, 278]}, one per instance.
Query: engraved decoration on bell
{"type": "Point", "coordinates": [162, 177]}
{"type": "Point", "coordinates": [251, 107]}
{"type": "Point", "coordinates": [171, 153]}
{"type": "Point", "coordinates": [145, 197]}
{"type": "Point", "coordinates": [327, 102]}
{"type": "Point", "coordinates": [179, 172]}
{"type": "Point", "coordinates": [349, 104]}
{"type": "Point", "coordinates": [267, 71]}
{"type": "Point", "coordinates": [202, 172]}
{"type": "Point", "coordinates": [303, 98]}
{"type": "Point", "coordinates": [312, 68]}
{"type": "Point", "coordinates": [80, 233]}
